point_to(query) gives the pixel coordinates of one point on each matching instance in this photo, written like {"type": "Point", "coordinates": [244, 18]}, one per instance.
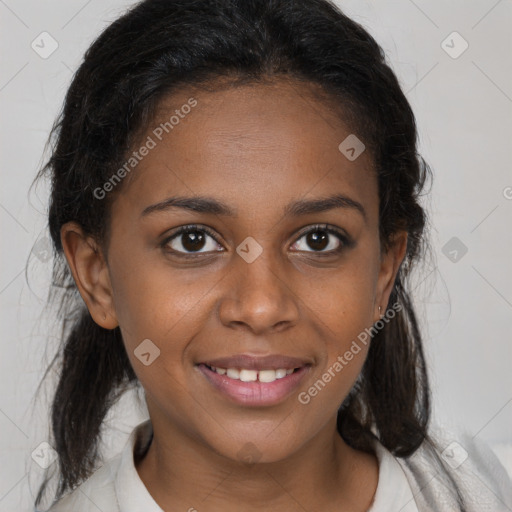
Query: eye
{"type": "Point", "coordinates": [192, 239]}
{"type": "Point", "coordinates": [324, 239]}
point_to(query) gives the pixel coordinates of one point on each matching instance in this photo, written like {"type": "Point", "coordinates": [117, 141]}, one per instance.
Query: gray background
{"type": "Point", "coordinates": [463, 105]}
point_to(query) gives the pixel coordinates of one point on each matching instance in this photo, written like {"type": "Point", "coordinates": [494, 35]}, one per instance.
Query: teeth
{"type": "Point", "coordinates": [267, 375]}
{"type": "Point", "coordinates": [233, 373]}
{"type": "Point", "coordinates": [280, 373]}
{"type": "Point", "coordinates": [246, 375]}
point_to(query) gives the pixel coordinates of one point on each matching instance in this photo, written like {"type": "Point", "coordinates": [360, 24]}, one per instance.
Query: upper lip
{"type": "Point", "coordinates": [270, 362]}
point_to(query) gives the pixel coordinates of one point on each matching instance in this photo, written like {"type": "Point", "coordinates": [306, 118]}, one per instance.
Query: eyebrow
{"type": "Point", "coordinates": [297, 208]}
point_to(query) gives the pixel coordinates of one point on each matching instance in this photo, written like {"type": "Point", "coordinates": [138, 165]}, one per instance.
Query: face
{"type": "Point", "coordinates": [245, 240]}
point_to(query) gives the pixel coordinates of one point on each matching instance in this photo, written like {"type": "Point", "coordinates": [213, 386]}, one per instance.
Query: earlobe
{"type": "Point", "coordinates": [90, 272]}
{"type": "Point", "coordinates": [390, 264]}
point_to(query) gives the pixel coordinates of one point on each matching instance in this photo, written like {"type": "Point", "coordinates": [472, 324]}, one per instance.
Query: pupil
{"type": "Point", "coordinates": [193, 240]}
{"type": "Point", "coordinates": [318, 240]}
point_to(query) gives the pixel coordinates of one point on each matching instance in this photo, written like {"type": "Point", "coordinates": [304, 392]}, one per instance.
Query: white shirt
{"type": "Point", "coordinates": [117, 487]}
{"type": "Point", "coordinates": [393, 490]}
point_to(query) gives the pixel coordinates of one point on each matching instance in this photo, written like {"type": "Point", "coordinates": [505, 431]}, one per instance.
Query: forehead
{"type": "Point", "coordinates": [256, 144]}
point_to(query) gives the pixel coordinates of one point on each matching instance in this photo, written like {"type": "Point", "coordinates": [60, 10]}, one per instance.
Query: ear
{"type": "Point", "coordinates": [390, 263]}
{"type": "Point", "coordinates": [90, 272]}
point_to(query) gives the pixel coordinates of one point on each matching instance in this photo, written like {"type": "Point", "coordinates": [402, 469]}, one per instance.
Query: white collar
{"type": "Point", "coordinates": [393, 490]}
{"type": "Point", "coordinates": [132, 495]}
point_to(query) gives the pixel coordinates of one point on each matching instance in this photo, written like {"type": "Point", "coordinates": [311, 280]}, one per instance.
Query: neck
{"type": "Point", "coordinates": [325, 474]}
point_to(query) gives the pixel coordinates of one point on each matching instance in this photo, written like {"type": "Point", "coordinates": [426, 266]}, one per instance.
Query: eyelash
{"type": "Point", "coordinates": [346, 242]}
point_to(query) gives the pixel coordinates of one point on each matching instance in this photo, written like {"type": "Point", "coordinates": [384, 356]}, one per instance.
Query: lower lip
{"type": "Point", "coordinates": [255, 393]}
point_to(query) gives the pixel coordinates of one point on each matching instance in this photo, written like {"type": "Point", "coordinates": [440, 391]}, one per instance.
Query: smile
{"type": "Point", "coordinates": [255, 381]}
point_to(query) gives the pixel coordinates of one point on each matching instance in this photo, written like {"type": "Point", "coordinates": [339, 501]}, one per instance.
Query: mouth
{"type": "Point", "coordinates": [252, 381]}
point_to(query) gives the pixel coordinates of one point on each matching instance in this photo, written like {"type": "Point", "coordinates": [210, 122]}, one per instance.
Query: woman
{"type": "Point", "coordinates": [235, 198]}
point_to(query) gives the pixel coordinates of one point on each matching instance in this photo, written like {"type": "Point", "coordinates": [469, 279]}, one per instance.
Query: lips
{"type": "Point", "coordinates": [256, 381]}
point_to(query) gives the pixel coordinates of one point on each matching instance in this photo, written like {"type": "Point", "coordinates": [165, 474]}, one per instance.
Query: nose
{"type": "Point", "coordinates": [260, 297]}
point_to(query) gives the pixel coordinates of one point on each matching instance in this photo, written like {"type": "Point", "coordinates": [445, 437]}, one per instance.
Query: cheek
{"type": "Point", "coordinates": [152, 302]}
{"type": "Point", "coordinates": [158, 318]}
{"type": "Point", "coordinates": [343, 301]}
{"type": "Point", "coordinates": [343, 313]}
{"type": "Point", "coordinates": [343, 326]}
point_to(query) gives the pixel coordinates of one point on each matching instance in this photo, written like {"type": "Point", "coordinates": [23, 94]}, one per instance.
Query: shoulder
{"type": "Point", "coordinates": [469, 462]}
{"type": "Point", "coordinates": [96, 493]}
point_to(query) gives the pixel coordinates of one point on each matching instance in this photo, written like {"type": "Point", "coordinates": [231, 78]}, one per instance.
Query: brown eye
{"type": "Point", "coordinates": [193, 241]}
{"type": "Point", "coordinates": [317, 240]}
{"type": "Point", "coordinates": [323, 240]}
{"type": "Point", "coordinates": [189, 240]}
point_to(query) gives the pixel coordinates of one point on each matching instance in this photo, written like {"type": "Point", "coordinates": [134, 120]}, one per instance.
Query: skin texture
{"type": "Point", "coordinates": [255, 148]}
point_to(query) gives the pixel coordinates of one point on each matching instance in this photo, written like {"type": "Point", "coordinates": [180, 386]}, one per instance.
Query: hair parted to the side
{"type": "Point", "coordinates": [160, 46]}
